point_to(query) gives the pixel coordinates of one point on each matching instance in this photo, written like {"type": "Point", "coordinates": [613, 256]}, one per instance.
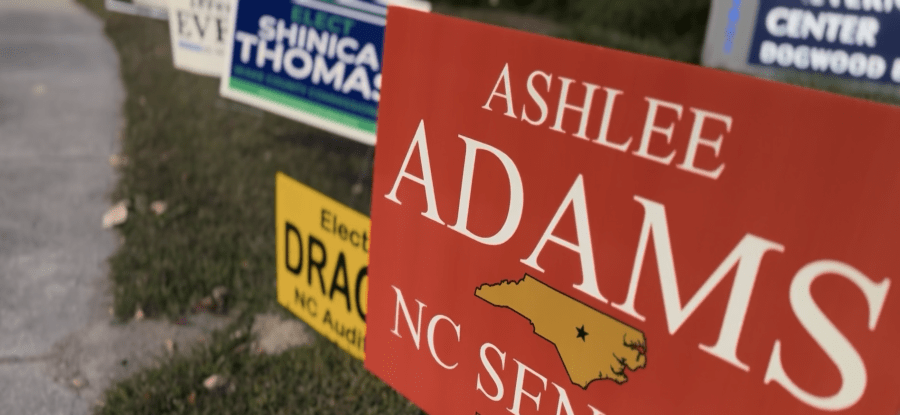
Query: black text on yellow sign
{"type": "Point", "coordinates": [322, 250]}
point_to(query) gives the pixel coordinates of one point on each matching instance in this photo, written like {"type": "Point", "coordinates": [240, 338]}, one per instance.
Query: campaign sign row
{"type": "Point", "coordinates": [320, 61]}
{"type": "Point", "coordinates": [850, 39]}
{"type": "Point", "coordinates": [314, 61]}
{"type": "Point", "coordinates": [588, 232]}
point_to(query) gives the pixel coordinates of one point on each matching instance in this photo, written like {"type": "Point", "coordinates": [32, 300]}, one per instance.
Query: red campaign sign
{"type": "Point", "coordinates": [565, 229]}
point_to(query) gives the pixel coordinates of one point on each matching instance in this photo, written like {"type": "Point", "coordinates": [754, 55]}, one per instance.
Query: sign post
{"type": "Point", "coordinates": [565, 229]}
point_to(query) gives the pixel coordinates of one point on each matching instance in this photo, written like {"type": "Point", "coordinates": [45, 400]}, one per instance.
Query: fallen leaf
{"type": "Point", "coordinates": [78, 383]}
{"type": "Point", "coordinates": [158, 207]}
{"type": "Point", "coordinates": [218, 295]}
{"type": "Point", "coordinates": [117, 161]}
{"type": "Point", "coordinates": [192, 398]}
{"type": "Point", "coordinates": [213, 382]}
{"type": "Point", "coordinates": [116, 215]}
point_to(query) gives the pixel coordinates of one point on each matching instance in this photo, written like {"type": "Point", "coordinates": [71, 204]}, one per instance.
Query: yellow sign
{"type": "Point", "coordinates": [323, 257]}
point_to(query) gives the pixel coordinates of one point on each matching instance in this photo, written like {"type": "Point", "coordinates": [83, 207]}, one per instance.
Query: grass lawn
{"type": "Point", "coordinates": [214, 162]}
{"type": "Point", "coordinates": [317, 379]}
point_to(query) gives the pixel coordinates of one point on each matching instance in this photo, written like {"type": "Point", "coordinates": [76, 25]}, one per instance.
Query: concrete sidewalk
{"type": "Point", "coordinates": [60, 98]}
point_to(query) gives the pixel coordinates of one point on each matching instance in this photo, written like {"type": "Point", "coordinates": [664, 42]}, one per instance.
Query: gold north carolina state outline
{"type": "Point", "coordinates": [592, 345]}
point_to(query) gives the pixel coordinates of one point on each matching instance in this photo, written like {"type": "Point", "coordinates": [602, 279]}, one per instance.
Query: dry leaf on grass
{"type": "Point", "coordinates": [218, 294]}
{"type": "Point", "coordinates": [214, 382]}
{"type": "Point", "coordinates": [205, 304]}
{"type": "Point", "coordinates": [158, 207]}
{"type": "Point", "coordinates": [116, 215]}
{"type": "Point", "coordinates": [117, 161]}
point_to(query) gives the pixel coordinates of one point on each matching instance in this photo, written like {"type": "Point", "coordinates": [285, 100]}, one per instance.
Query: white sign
{"type": "Point", "coordinates": [850, 43]}
{"type": "Point", "coordinates": [199, 31]}
{"type": "Point", "coordinates": [155, 9]}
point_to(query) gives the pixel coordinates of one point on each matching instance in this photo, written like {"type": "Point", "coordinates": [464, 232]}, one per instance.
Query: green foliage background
{"type": "Point", "coordinates": [672, 29]}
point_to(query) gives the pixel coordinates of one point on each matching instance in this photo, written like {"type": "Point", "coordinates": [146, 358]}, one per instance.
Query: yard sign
{"type": "Point", "coordinates": [200, 31]}
{"type": "Point", "coordinates": [314, 61]}
{"type": "Point", "coordinates": [322, 250]}
{"type": "Point", "coordinates": [560, 228]}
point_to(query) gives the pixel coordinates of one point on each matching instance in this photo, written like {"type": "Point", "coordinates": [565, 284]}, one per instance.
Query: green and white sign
{"type": "Point", "coordinates": [314, 61]}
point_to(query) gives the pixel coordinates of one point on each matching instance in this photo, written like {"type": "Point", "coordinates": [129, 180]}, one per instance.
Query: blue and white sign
{"type": "Point", "coordinates": [315, 61]}
{"type": "Point", "coordinates": [858, 39]}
